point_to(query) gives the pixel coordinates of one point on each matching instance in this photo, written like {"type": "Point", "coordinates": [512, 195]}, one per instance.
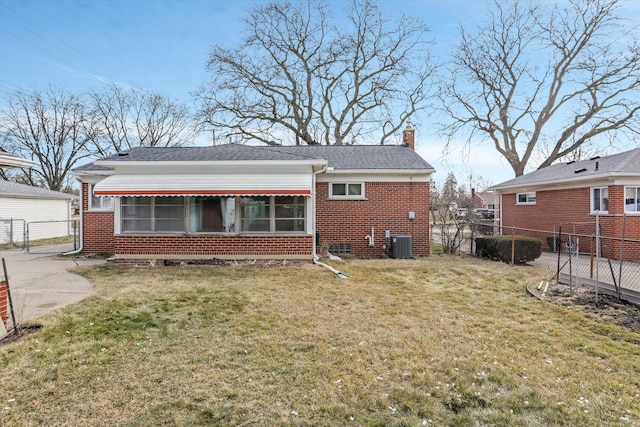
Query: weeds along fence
{"type": "Point", "coordinates": [580, 255]}
{"type": "Point", "coordinates": [19, 233]}
{"type": "Point", "coordinates": [12, 231]}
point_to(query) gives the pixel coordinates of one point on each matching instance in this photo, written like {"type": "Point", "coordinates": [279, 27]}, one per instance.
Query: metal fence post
{"type": "Point", "coordinates": [513, 245]}
{"type": "Point", "coordinates": [624, 227]}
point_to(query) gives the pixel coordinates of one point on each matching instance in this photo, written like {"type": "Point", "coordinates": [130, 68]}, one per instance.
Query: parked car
{"type": "Point", "coordinates": [461, 213]}
{"type": "Point", "coordinates": [484, 213]}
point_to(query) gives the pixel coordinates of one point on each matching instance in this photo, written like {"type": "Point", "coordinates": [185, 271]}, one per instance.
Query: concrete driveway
{"type": "Point", "coordinates": [40, 284]}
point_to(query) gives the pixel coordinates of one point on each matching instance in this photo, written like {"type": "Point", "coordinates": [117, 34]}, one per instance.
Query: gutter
{"type": "Point", "coordinates": [328, 267]}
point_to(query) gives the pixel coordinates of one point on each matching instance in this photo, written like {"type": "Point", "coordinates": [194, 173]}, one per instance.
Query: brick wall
{"type": "Point", "coordinates": [4, 303]}
{"type": "Point", "coordinates": [386, 207]}
{"type": "Point", "coordinates": [213, 246]}
{"type": "Point", "coordinates": [97, 230]}
{"type": "Point", "coordinates": [570, 208]}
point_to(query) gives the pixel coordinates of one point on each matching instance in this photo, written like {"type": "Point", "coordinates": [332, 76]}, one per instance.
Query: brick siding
{"type": "Point", "coordinates": [4, 303]}
{"type": "Point", "coordinates": [97, 228]}
{"type": "Point", "coordinates": [570, 208]}
{"type": "Point", "coordinates": [386, 207]}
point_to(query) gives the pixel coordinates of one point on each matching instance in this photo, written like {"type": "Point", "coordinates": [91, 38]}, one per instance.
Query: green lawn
{"type": "Point", "coordinates": [443, 341]}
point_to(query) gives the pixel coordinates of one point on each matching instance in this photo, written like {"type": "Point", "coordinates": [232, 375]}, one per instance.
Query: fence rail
{"type": "Point", "coordinates": [36, 230]}
{"type": "Point", "coordinates": [12, 231]}
{"type": "Point", "coordinates": [576, 254]}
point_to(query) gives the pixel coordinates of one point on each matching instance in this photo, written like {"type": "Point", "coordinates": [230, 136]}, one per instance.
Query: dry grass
{"type": "Point", "coordinates": [441, 341]}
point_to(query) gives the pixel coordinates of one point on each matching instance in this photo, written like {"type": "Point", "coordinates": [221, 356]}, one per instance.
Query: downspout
{"type": "Point", "coordinates": [80, 226]}
{"type": "Point", "coordinates": [313, 210]}
{"type": "Point", "coordinates": [315, 259]}
{"type": "Point", "coordinates": [500, 222]}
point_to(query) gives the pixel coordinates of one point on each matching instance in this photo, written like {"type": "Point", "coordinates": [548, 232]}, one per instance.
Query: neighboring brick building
{"type": "Point", "coordinates": [237, 201]}
{"type": "Point", "coordinates": [571, 195]}
{"type": "Point", "coordinates": [485, 200]}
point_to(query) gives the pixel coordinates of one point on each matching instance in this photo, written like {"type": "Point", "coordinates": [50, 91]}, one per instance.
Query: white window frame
{"type": "Point", "coordinates": [274, 216]}
{"type": "Point", "coordinates": [273, 219]}
{"type": "Point", "coordinates": [592, 197]}
{"type": "Point", "coordinates": [106, 202]}
{"type": "Point", "coordinates": [154, 219]}
{"type": "Point", "coordinates": [636, 199]}
{"type": "Point", "coordinates": [347, 196]}
{"type": "Point", "coordinates": [530, 198]}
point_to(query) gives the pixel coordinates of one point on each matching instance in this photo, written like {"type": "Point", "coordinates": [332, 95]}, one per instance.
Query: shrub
{"type": "Point", "coordinates": [553, 243]}
{"type": "Point", "coordinates": [499, 247]}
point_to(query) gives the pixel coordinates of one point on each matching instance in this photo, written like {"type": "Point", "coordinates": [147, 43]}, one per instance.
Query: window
{"type": "Point", "coordinates": [600, 199]}
{"type": "Point", "coordinates": [526, 199]}
{"type": "Point", "coordinates": [289, 214]}
{"type": "Point", "coordinates": [212, 214]}
{"type": "Point", "coordinates": [340, 248]}
{"type": "Point", "coordinates": [272, 214]}
{"type": "Point", "coordinates": [153, 214]}
{"type": "Point", "coordinates": [632, 199]}
{"type": "Point", "coordinates": [104, 203]}
{"type": "Point", "coordinates": [346, 190]}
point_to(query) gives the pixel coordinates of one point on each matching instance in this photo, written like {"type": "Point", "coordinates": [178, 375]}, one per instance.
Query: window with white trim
{"type": "Point", "coordinates": [99, 203]}
{"type": "Point", "coordinates": [273, 214]}
{"type": "Point", "coordinates": [632, 199]}
{"type": "Point", "coordinates": [526, 198]}
{"type": "Point", "coordinates": [600, 199]}
{"type": "Point", "coordinates": [212, 214]}
{"type": "Point", "coordinates": [346, 190]}
{"type": "Point", "coordinates": [152, 214]}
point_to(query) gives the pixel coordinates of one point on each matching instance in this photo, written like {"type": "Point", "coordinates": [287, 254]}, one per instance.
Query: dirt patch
{"type": "Point", "coordinates": [607, 307]}
{"type": "Point", "coordinates": [19, 332]}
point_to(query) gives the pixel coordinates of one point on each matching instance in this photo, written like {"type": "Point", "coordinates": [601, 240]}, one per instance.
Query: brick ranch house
{"type": "Point", "coordinates": [573, 194]}
{"type": "Point", "coordinates": [247, 202]}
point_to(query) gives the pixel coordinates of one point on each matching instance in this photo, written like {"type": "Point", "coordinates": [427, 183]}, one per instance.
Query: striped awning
{"type": "Point", "coordinates": [298, 184]}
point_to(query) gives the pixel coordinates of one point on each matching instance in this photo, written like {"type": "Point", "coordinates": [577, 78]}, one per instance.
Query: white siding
{"type": "Point", "coordinates": [33, 212]}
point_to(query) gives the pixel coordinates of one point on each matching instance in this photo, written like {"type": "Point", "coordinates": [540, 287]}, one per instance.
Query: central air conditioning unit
{"type": "Point", "coordinates": [401, 246]}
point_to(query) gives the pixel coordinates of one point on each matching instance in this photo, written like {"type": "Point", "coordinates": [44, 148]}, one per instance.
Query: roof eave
{"type": "Point", "coordinates": [11, 161]}
{"type": "Point", "coordinates": [563, 182]}
{"type": "Point", "coordinates": [430, 171]}
{"type": "Point", "coordinates": [162, 163]}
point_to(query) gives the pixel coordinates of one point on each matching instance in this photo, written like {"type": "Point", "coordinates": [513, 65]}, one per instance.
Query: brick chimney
{"type": "Point", "coordinates": [408, 137]}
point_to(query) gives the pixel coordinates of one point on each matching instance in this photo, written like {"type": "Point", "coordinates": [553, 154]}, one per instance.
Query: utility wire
{"type": "Point", "coordinates": [54, 41]}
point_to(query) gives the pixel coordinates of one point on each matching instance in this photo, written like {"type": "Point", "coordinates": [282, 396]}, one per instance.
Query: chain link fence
{"type": "Point", "coordinates": [39, 230]}
{"type": "Point", "coordinates": [576, 254]}
{"type": "Point", "coordinates": [13, 232]}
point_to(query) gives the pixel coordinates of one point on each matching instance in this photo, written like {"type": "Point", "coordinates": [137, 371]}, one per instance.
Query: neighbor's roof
{"type": "Point", "coordinates": [10, 161]}
{"type": "Point", "coordinates": [626, 164]}
{"type": "Point", "coordinates": [487, 196]}
{"type": "Point", "coordinates": [338, 156]}
{"type": "Point", "coordinates": [13, 189]}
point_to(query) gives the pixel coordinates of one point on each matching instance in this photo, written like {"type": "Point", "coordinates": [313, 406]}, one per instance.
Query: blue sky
{"type": "Point", "coordinates": [163, 45]}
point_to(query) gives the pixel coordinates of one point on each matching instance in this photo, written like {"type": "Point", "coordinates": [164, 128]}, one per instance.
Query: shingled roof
{"type": "Point", "coordinates": [626, 164]}
{"type": "Point", "coordinates": [348, 157]}
{"type": "Point", "coordinates": [14, 189]}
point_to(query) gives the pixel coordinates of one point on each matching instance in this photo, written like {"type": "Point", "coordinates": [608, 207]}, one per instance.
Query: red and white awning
{"type": "Point", "coordinates": [297, 184]}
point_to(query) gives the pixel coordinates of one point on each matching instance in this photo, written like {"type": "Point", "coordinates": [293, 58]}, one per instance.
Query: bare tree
{"type": "Point", "coordinates": [543, 81]}
{"type": "Point", "coordinates": [451, 209]}
{"type": "Point", "coordinates": [298, 78]}
{"type": "Point", "coordinates": [136, 118]}
{"type": "Point", "coordinates": [52, 128]}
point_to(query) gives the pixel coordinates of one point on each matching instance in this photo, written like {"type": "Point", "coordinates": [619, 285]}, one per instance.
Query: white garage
{"type": "Point", "coordinates": [33, 212]}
